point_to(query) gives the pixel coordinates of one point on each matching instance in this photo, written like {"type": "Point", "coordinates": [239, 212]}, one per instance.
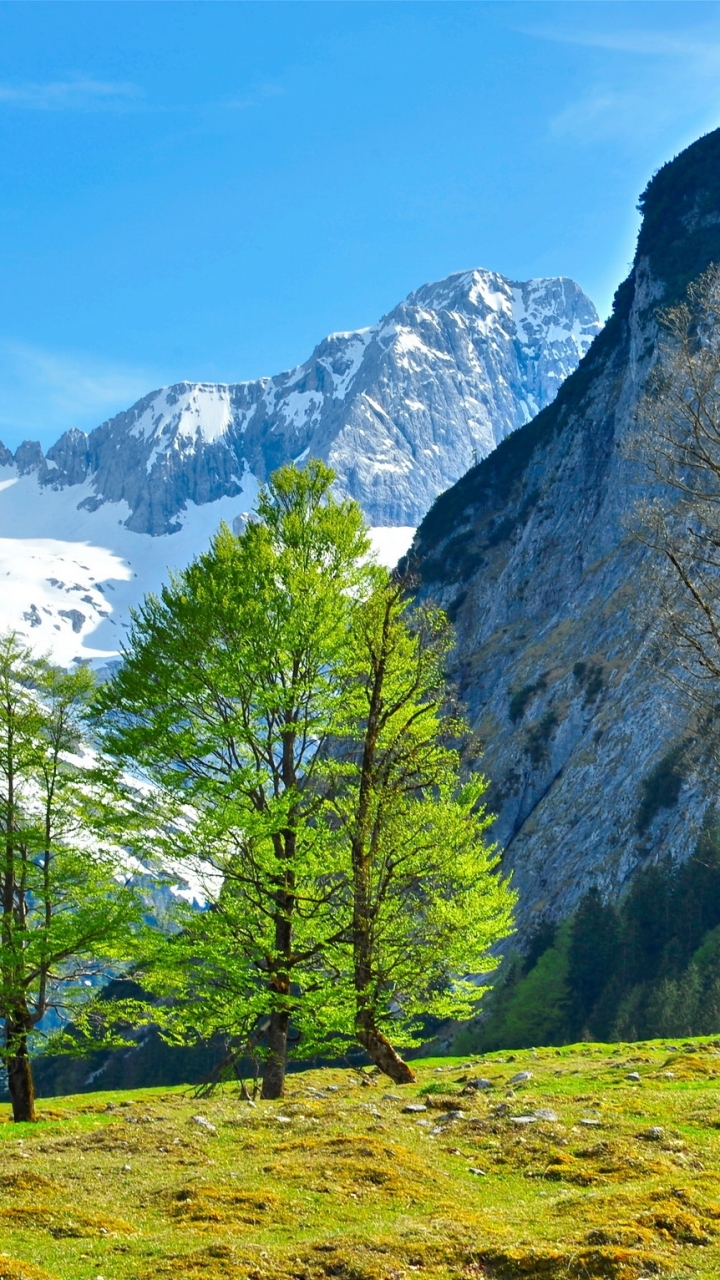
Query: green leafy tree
{"type": "Point", "coordinates": [228, 696]}
{"type": "Point", "coordinates": [66, 912]}
{"type": "Point", "coordinates": [426, 902]}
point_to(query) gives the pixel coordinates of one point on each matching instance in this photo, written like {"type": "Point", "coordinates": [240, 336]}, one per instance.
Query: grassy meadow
{"type": "Point", "coordinates": [605, 1162]}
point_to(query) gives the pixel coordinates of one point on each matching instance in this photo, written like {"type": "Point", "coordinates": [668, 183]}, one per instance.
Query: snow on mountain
{"type": "Point", "coordinates": [400, 410]}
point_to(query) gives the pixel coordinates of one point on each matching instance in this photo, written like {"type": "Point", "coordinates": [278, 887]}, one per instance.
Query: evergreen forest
{"type": "Point", "coordinates": [647, 965]}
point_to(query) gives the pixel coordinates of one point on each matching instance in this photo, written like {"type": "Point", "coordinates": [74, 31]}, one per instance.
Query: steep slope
{"type": "Point", "coordinates": [593, 762]}
{"type": "Point", "coordinates": [400, 410]}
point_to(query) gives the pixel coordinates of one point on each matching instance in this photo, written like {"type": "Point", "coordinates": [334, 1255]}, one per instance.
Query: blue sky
{"type": "Point", "coordinates": [204, 190]}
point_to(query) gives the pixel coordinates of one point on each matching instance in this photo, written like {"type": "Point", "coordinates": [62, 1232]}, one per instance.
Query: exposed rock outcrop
{"type": "Point", "coordinates": [400, 410]}
{"type": "Point", "coordinates": [593, 760]}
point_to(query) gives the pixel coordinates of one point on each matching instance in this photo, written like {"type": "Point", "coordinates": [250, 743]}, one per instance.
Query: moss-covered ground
{"type": "Point", "coordinates": [605, 1162]}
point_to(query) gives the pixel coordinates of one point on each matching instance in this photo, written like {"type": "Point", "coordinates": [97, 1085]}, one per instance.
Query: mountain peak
{"type": "Point", "coordinates": [399, 409]}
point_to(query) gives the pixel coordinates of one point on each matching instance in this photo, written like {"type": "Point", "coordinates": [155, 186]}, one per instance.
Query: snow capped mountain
{"type": "Point", "coordinates": [400, 410]}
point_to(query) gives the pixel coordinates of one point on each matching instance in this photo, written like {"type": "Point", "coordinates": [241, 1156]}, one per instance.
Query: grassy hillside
{"type": "Point", "coordinates": [615, 1176]}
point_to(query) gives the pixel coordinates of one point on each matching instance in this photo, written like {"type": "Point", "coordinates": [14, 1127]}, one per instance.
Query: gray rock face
{"type": "Point", "coordinates": [530, 555]}
{"type": "Point", "coordinates": [400, 410]}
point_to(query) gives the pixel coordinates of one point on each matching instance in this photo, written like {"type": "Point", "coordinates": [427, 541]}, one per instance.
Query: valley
{"type": "Point", "coordinates": [359, 721]}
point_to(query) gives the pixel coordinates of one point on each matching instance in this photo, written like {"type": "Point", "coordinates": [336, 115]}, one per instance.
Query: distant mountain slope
{"type": "Point", "coordinates": [400, 410]}
{"type": "Point", "coordinates": [596, 769]}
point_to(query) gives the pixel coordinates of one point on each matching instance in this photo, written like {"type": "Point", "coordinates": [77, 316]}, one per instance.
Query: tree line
{"type": "Point", "coordinates": [281, 724]}
{"type": "Point", "coordinates": [643, 967]}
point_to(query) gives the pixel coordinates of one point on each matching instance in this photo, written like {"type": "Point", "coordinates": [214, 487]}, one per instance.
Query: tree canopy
{"type": "Point", "coordinates": [67, 912]}
{"type": "Point", "coordinates": [287, 710]}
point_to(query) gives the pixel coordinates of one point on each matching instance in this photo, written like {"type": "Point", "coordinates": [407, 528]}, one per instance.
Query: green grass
{"type": "Point", "coordinates": [623, 1184]}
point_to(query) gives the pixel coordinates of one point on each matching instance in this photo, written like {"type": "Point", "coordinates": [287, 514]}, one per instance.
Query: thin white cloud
{"type": "Point", "coordinates": [76, 94]}
{"type": "Point", "coordinates": [264, 92]}
{"type": "Point", "coordinates": [46, 392]}
{"type": "Point", "coordinates": [649, 43]}
{"type": "Point", "coordinates": [604, 114]}
{"type": "Point", "coordinates": [650, 82]}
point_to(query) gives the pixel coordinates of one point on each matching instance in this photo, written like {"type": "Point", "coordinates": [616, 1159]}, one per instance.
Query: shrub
{"type": "Point", "coordinates": [661, 789]}
{"type": "Point", "coordinates": [521, 697]}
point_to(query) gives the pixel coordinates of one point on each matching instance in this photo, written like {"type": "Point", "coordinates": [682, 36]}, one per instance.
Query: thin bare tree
{"type": "Point", "coordinates": [678, 444]}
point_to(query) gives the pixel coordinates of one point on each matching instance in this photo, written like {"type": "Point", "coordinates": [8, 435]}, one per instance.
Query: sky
{"type": "Point", "coordinates": [202, 191]}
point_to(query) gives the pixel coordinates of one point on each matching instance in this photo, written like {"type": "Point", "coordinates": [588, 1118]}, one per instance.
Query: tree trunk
{"type": "Point", "coordinates": [273, 1085]}
{"type": "Point", "coordinates": [20, 1078]}
{"type": "Point", "coordinates": [273, 1082]}
{"type": "Point", "coordinates": [385, 1057]}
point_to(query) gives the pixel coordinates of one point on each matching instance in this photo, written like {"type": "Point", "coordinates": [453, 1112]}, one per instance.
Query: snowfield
{"type": "Point", "coordinates": [399, 410]}
{"type": "Point", "coordinates": [69, 577]}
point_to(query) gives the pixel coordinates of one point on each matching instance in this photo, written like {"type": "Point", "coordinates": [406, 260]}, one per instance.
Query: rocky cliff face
{"type": "Point", "coordinates": [594, 764]}
{"type": "Point", "coordinates": [400, 410]}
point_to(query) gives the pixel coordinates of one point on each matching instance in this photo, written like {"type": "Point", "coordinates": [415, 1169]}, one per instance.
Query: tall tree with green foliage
{"type": "Point", "coordinates": [426, 902]}
{"type": "Point", "coordinates": [229, 694]}
{"type": "Point", "coordinates": [65, 910]}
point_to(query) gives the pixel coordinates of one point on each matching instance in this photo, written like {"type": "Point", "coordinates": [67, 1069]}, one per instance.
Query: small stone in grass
{"type": "Point", "coordinates": [127, 1168]}
{"type": "Point", "coordinates": [203, 1123]}
{"type": "Point", "coordinates": [521, 1077]}
{"type": "Point", "coordinates": [591, 1122]}
{"type": "Point", "coordinates": [546, 1114]}
{"type": "Point", "coordinates": [391, 1097]}
{"type": "Point", "coordinates": [413, 1108]}
{"type": "Point", "coordinates": [332, 1088]}
{"type": "Point", "coordinates": [478, 1083]}
{"type": "Point", "coordinates": [633, 1075]}
{"type": "Point", "coordinates": [523, 1119]}
{"type": "Point", "coordinates": [282, 1119]}
{"type": "Point", "coordinates": [479, 1173]}
{"type": "Point", "coordinates": [653, 1134]}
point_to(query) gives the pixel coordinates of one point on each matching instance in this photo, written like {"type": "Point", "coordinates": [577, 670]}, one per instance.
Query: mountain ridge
{"type": "Point", "coordinates": [529, 554]}
{"type": "Point", "coordinates": [399, 409]}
